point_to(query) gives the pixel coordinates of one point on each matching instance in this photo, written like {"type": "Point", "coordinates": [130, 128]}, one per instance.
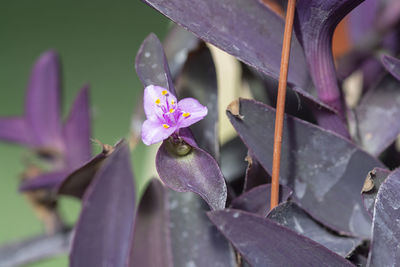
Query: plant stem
{"type": "Point", "coordinates": [280, 104]}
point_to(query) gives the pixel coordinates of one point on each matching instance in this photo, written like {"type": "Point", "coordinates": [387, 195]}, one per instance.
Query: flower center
{"type": "Point", "coordinates": [170, 110]}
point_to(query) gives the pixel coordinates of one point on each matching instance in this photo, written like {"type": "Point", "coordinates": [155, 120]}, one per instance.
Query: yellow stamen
{"type": "Point", "coordinates": [186, 114]}
{"type": "Point", "coordinates": [164, 92]}
{"type": "Point", "coordinates": [158, 101]}
{"type": "Point", "coordinates": [171, 110]}
{"type": "Point", "coordinates": [172, 102]}
{"type": "Point", "coordinates": [166, 126]}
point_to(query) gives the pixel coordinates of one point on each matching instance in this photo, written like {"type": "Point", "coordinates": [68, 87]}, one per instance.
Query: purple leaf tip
{"type": "Point", "coordinates": [165, 115]}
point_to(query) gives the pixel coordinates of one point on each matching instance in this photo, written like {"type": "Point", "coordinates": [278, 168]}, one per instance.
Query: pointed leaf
{"type": "Point", "coordinates": [326, 171]}
{"type": "Point", "coordinates": [250, 29]}
{"type": "Point", "coordinates": [14, 129]}
{"type": "Point", "coordinates": [262, 242]}
{"type": "Point", "coordinates": [258, 199]}
{"type": "Point", "coordinates": [295, 218]}
{"type": "Point", "coordinates": [104, 230]}
{"type": "Point", "coordinates": [371, 187]}
{"type": "Point", "coordinates": [385, 241]}
{"type": "Point", "coordinates": [172, 229]}
{"type": "Point", "coordinates": [194, 170]}
{"type": "Point", "coordinates": [382, 101]}
{"type": "Point", "coordinates": [199, 80]}
{"type": "Point", "coordinates": [76, 183]}
{"type": "Point", "coordinates": [43, 105]}
{"type": "Point", "coordinates": [151, 64]}
{"type": "Point", "coordinates": [77, 131]}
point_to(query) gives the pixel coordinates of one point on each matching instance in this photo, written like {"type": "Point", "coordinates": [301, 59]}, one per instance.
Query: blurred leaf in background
{"type": "Point", "coordinates": [97, 42]}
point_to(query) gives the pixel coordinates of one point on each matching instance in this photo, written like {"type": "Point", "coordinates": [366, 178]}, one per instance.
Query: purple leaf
{"type": "Point", "coordinates": [48, 180]}
{"type": "Point", "coordinates": [258, 199]}
{"type": "Point", "coordinates": [199, 80]}
{"type": "Point", "coordinates": [181, 165]}
{"type": "Point", "coordinates": [315, 23]}
{"type": "Point", "coordinates": [172, 229]}
{"type": "Point", "coordinates": [233, 159]}
{"type": "Point", "coordinates": [15, 129]}
{"type": "Point", "coordinates": [385, 241]}
{"type": "Point", "coordinates": [382, 101]}
{"type": "Point", "coordinates": [43, 101]}
{"type": "Point", "coordinates": [247, 33]}
{"type": "Point", "coordinates": [255, 174]}
{"type": "Point", "coordinates": [152, 66]}
{"type": "Point", "coordinates": [326, 171]}
{"type": "Point", "coordinates": [371, 187]}
{"type": "Point", "coordinates": [363, 19]}
{"type": "Point", "coordinates": [295, 218]}
{"type": "Point", "coordinates": [392, 65]}
{"type": "Point", "coordinates": [262, 242]}
{"type": "Point", "coordinates": [76, 183]}
{"type": "Point", "coordinates": [184, 168]}
{"type": "Point", "coordinates": [177, 45]}
{"type": "Point", "coordinates": [42, 108]}
{"type": "Point", "coordinates": [104, 230]}
{"type": "Point", "coordinates": [77, 131]}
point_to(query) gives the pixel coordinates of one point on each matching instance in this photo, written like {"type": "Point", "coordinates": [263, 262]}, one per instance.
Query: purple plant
{"type": "Point", "coordinates": [165, 115]}
{"type": "Point", "coordinates": [338, 194]}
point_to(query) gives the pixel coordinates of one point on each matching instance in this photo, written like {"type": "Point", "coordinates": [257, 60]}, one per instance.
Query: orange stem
{"type": "Point", "coordinates": [280, 104]}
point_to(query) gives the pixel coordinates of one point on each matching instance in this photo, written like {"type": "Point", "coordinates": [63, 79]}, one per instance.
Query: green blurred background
{"type": "Point", "coordinates": [97, 42]}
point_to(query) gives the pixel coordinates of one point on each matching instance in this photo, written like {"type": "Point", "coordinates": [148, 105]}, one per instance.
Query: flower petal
{"type": "Point", "coordinates": [197, 112]}
{"type": "Point", "coordinates": [154, 132]}
{"type": "Point", "coordinates": [152, 93]}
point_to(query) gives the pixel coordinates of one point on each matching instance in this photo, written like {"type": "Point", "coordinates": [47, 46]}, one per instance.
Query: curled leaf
{"type": "Point", "coordinates": [187, 168]}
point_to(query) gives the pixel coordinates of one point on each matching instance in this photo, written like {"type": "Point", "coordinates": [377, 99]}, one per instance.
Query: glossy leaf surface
{"type": "Point", "coordinates": [385, 241]}
{"type": "Point", "coordinates": [295, 218]}
{"type": "Point", "coordinates": [263, 242]}
{"type": "Point", "coordinates": [196, 171]}
{"type": "Point", "coordinates": [250, 29]}
{"type": "Point", "coordinates": [326, 171]}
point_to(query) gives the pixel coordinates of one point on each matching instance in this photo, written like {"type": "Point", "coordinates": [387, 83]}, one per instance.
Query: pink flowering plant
{"type": "Point", "coordinates": [165, 115]}
{"type": "Point", "coordinates": [209, 202]}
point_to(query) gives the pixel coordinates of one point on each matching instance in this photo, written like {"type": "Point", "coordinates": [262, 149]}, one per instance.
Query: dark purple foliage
{"type": "Point", "coordinates": [293, 217]}
{"type": "Point", "coordinates": [372, 132]}
{"type": "Point", "coordinates": [41, 128]}
{"type": "Point", "coordinates": [104, 230]}
{"type": "Point", "coordinates": [258, 199]}
{"type": "Point", "coordinates": [335, 191]}
{"type": "Point", "coordinates": [181, 164]}
{"type": "Point", "coordinates": [172, 229]}
{"type": "Point", "coordinates": [325, 170]}
{"type": "Point", "coordinates": [263, 242]}
{"type": "Point", "coordinates": [385, 225]}
{"type": "Point", "coordinates": [316, 21]}
{"type": "Point", "coordinates": [371, 187]}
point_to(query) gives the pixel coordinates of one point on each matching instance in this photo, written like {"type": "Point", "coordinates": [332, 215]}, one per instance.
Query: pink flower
{"type": "Point", "coordinates": [165, 116]}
